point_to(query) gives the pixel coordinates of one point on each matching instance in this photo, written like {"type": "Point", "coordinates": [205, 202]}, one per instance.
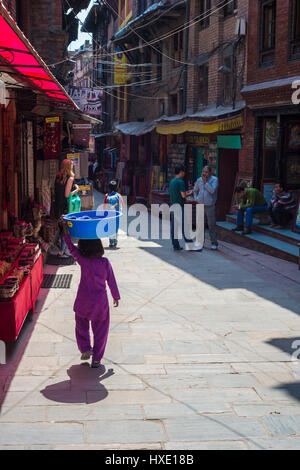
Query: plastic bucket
{"type": "Point", "coordinates": [89, 225]}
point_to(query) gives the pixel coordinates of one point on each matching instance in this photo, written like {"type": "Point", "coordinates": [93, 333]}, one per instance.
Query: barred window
{"type": "Point", "coordinates": [295, 30]}
{"type": "Point", "coordinates": [230, 7]}
{"type": "Point", "coordinates": [267, 32]}
{"type": "Point", "coordinates": [205, 7]}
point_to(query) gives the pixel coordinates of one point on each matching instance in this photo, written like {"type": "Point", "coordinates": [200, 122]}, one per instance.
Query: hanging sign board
{"type": "Point", "coordinates": [89, 100]}
{"type": "Point", "coordinates": [52, 137]}
{"type": "Point", "coordinates": [76, 163]}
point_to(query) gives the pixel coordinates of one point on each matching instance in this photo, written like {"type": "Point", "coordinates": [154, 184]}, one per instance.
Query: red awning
{"type": "Point", "coordinates": [17, 52]}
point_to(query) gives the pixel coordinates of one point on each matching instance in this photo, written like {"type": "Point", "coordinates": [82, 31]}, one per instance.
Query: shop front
{"type": "Point", "coordinates": [139, 154]}
{"type": "Point", "coordinates": [216, 143]}
{"type": "Point", "coordinates": [277, 152]}
{"type": "Point", "coordinates": [107, 160]}
{"type": "Point", "coordinates": [33, 134]}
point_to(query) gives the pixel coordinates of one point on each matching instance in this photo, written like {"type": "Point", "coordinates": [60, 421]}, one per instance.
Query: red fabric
{"type": "Point", "coordinates": [21, 55]}
{"type": "Point", "coordinates": [13, 313]}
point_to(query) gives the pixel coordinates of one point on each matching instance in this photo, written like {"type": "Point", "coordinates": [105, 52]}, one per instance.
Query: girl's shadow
{"type": "Point", "coordinates": [83, 379]}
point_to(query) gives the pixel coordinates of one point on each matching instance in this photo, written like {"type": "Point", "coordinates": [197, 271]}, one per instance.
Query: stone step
{"type": "Point", "coordinates": [286, 235]}
{"type": "Point", "coordinates": [259, 242]}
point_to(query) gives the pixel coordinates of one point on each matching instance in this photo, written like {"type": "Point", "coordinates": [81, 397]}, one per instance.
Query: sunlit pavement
{"type": "Point", "coordinates": [202, 354]}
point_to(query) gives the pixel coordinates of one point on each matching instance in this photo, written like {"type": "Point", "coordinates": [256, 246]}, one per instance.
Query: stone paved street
{"type": "Point", "coordinates": [199, 356]}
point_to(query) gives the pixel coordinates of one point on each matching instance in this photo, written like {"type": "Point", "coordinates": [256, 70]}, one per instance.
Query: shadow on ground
{"type": "Point", "coordinates": [83, 378]}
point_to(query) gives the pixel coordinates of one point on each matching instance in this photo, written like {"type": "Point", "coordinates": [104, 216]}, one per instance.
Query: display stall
{"type": "Point", "coordinates": [21, 275]}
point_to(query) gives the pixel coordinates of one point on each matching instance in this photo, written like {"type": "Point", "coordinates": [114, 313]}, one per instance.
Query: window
{"type": "Point", "coordinates": [180, 102]}
{"type": "Point", "coordinates": [205, 7]}
{"type": "Point", "coordinates": [178, 47]}
{"type": "Point", "coordinates": [203, 85]}
{"type": "Point", "coordinates": [19, 14]}
{"type": "Point", "coordinates": [159, 67]}
{"type": "Point", "coordinates": [268, 32]}
{"type": "Point", "coordinates": [230, 7]}
{"type": "Point", "coordinates": [148, 60]}
{"type": "Point", "coordinates": [228, 79]}
{"type": "Point", "coordinates": [295, 30]}
{"type": "Point", "coordinates": [173, 105]}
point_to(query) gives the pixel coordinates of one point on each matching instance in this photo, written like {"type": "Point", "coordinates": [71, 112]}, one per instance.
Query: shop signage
{"type": "Point", "coordinates": [52, 119]}
{"type": "Point", "coordinates": [82, 126]}
{"type": "Point", "coordinates": [89, 100]}
{"type": "Point", "coordinates": [231, 124]}
{"type": "Point", "coordinates": [81, 133]}
{"type": "Point", "coordinates": [271, 133]}
{"type": "Point", "coordinates": [92, 144]}
{"type": "Point", "coordinates": [202, 140]}
{"type": "Point", "coordinates": [76, 163]}
{"type": "Point", "coordinates": [200, 126]}
{"type": "Point", "coordinates": [120, 67]}
{"type": "Point", "coordinates": [52, 137]}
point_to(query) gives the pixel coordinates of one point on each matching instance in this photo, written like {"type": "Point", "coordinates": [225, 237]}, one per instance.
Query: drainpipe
{"type": "Point", "coordinates": [186, 54]}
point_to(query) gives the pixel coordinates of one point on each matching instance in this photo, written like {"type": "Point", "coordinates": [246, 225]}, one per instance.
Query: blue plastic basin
{"type": "Point", "coordinates": [89, 225]}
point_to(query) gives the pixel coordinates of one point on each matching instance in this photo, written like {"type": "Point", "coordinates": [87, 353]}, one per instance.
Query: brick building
{"type": "Point", "coordinates": [272, 127]}
{"type": "Point", "coordinates": [178, 98]}
{"type": "Point", "coordinates": [35, 110]}
{"type": "Point", "coordinates": [212, 117]}
{"type": "Point", "coordinates": [83, 70]}
{"type": "Point", "coordinates": [50, 26]}
{"type": "Point", "coordinates": [216, 89]}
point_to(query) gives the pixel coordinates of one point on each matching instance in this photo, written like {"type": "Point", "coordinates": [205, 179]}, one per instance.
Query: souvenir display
{"type": "Point", "coordinates": [16, 259]}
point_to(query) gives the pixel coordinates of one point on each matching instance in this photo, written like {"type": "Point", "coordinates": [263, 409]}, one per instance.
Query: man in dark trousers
{"type": "Point", "coordinates": [282, 207]}
{"type": "Point", "coordinates": [251, 201]}
{"type": "Point", "coordinates": [177, 197]}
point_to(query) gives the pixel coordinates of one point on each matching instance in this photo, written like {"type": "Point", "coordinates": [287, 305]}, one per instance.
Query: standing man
{"type": "Point", "coordinates": [206, 192]}
{"type": "Point", "coordinates": [177, 197]}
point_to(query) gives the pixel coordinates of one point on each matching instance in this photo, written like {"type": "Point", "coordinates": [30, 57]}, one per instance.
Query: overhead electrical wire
{"type": "Point", "coordinates": [166, 36]}
{"type": "Point", "coordinates": [169, 34]}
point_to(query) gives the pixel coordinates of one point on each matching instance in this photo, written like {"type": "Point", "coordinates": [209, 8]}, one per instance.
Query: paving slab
{"type": "Point", "coordinates": [41, 433]}
{"type": "Point", "coordinates": [199, 356]}
{"type": "Point", "coordinates": [214, 427]}
{"type": "Point", "coordinates": [123, 432]}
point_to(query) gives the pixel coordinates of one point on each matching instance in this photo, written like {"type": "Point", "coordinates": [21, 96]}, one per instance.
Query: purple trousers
{"type": "Point", "coordinates": [100, 329]}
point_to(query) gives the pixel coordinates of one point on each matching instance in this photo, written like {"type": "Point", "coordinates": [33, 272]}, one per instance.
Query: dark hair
{"type": "Point", "coordinates": [179, 168]}
{"type": "Point", "coordinates": [112, 185]}
{"type": "Point", "coordinates": [281, 184]}
{"type": "Point", "coordinates": [208, 167]}
{"type": "Point", "coordinates": [240, 189]}
{"type": "Point", "coordinates": [91, 248]}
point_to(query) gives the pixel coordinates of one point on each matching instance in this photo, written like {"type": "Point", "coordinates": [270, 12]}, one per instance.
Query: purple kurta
{"type": "Point", "coordinates": [91, 302]}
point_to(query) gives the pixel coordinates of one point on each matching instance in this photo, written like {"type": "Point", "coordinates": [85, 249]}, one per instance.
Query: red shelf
{"type": "Point", "coordinates": [14, 312]}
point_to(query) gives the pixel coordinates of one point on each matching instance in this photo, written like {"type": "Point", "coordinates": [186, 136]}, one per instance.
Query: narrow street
{"type": "Point", "coordinates": [199, 356]}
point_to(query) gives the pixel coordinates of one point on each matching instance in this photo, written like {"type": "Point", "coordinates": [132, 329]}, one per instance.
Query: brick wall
{"type": "Point", "coordinates": [204, 41]}
{"type": "Point", "coordinates": [10, 5]}
{"type": "Point", "coordinates": [281, 69]}
{"type": "Point", "coordinates": [282, 66]}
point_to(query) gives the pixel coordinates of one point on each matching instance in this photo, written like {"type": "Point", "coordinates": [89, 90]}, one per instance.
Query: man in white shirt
{"type": "Point", "coordinates": [206, 192]}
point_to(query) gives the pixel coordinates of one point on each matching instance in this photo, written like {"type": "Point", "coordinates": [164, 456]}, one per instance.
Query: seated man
{"type": "Point", "coordinates": [251, 202]}
{"type": "Point", "coordinates": [282, 207]}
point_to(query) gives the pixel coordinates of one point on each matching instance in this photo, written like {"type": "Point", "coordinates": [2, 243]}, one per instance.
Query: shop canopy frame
{"type": "Point", "coordinates": [17, 53]}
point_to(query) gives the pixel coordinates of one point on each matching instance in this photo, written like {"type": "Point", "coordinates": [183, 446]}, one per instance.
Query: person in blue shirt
{"type": "Point", "coordinates": [113, 201]}
{"type": "Point", "coordinates": [206, 192]}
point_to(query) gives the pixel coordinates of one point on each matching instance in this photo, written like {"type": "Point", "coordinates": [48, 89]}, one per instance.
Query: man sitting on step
{"type": "Point", "coordinates": [251, 201]}
{"type": "Point", "coordinates": [282, 207]}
